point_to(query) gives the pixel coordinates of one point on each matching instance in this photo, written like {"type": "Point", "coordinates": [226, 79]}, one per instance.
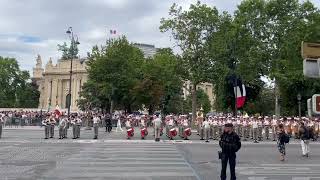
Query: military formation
{"type": "Point", "coordinates": [253, 128]}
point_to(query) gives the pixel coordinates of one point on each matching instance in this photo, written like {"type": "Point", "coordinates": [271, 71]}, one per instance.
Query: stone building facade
{"type": "Point", "coordinates": [53, 81]}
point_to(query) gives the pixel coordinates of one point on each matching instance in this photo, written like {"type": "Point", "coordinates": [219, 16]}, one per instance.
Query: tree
{"type": "Point", "coordinates": [191, 30]}
{"type": "Point", "coordinates": [203, 100]}
{"type": "Point", "coordinates": [278, 27]}
{"type": "Point", "coordinates": [114, 70]}
{"type": "Point", "coordinates": [161, 82]}
{"type": "Point", "coordinates": [69, 52]}
{"type": "Point", "coordinates": [16, 89]}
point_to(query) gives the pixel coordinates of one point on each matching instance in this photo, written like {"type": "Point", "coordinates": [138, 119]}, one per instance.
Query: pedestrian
{"type": "Point", "coordinates": [230, 144]}
{"type": "Point", "coordinates": [283, 138]}
{"type": "Point", "coordinates": [305, 139]}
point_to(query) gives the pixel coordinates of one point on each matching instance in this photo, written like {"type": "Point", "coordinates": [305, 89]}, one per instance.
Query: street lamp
{"type": "Point", "coordinates": [74, 42]}
{"type": "Point", "coordinates": [299, 104]}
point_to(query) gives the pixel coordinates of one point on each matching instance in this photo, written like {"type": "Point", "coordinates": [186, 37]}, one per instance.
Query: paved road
{"type": "Point", "coordinates": [24, 154]}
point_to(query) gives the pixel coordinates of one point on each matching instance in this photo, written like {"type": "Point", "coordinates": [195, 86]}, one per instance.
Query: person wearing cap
{"type": "Point", "coordinates": [215, 128]}
{"type": "Point", "coordinates": [157, 128]}
{"type": "Point", "coordinates": [255, 130]}
{"type": "Point", "coordinates": [206, 129]}
{"type": "Point", "coordinates": [274, 128]}
{"type": "Point", "coordinates": [266, 127]}
{"type": "Point", "coordinates": [96, 121]}
{"type": "Point", "coordinates": [260, 127]}
{"type": "Point", "coordinates": [62, 125]}
{"type": "Point", "coordinates": [230, 144]}
{"type": "Point", "coordinates": [245, 129]}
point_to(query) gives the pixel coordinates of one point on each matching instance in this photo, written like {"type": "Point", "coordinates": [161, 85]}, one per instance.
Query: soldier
{"type": "Point", "coordinates": [316, 128]}
{"type": "Point", "coordinates": [295, 128]}
{"type": "Point", "coordinates": [206, 129]}
{"type": "Point", "coordinates": [157, 126]}
{"type": "Point", "coordinates": [215, 128]}
{"type": "Point", "coordinates": [255, 129]}
{"type": "Point", "coordinates": [68, 121]}
{"type": "Point", "coordinates": [46, 123]}
{"type": "Point", "coordinates": [130, 130]}
{"type": "Point", "coordinates": [260, 127]}
{"type": "Point", "coordinates": [245, 128]}
{"type": "Point", "coordinates": [186, 127]}
{"type": "Point", "coordinates": [74, 127]}
{"type": "Point", "coordinates": [238, 126]}
{"type": "Point", "coordinates": [62, 126]}
{"type": "Point", "coordinates": [274, 128]}
{"type": "Point", "coordinates": [52, 125]}
{"type": "Point", "coordinates": [200, 120]}
{"type": "Point", "coordinates": [266, 124]}
{"type": "Point", "coordinates": [96, 121]}
{"type": "Point", "coordinates": [78, 126]}
{"type": "Point", "coordinates": [210, 120]}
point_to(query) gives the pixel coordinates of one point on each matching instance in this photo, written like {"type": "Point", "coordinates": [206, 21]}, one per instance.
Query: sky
{"type": "Point", "coordinates": [32, 27]}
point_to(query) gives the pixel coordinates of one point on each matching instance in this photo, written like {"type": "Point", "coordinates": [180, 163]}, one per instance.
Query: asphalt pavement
{"type": "Point", "coordinates": [24, 154]}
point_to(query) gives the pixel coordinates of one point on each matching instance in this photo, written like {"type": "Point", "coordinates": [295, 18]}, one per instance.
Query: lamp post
{"type": "Point", "coordinates": [74, 42]}
{"type": "Point", "coordinates": [299, 104]}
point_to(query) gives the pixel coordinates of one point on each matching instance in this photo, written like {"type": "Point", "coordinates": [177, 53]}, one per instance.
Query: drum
{"type": "Point", "coordinates": [173, 132]}
{"type": "Point", "coordinates": [187, 132]}
{"type": "Point", "coordinates": [130, 132]}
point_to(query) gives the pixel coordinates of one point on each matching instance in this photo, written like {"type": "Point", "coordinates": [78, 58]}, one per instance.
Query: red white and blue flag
{"type": "Point", "coordinates": [240, 94]}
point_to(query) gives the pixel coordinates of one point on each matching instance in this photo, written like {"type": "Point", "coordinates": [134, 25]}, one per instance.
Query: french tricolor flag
{"type": "Point", "coordinates": [240, 94]}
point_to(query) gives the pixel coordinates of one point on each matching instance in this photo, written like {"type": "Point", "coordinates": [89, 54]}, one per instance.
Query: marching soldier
{"type": "Point", "coordinates": [62, 126]}
{"type": "Point", "coordinates": [215, 128]}
{"type": "Point", "coordinates": [157, 128]}
{"type": "Point", "coordinates": [46, 123]}
{"type": "Point", "coordinates": [52, 125]}
{"type": "Point", "coordinates": [238, 126]}
{"type": "Point", "coordinates": [206, 129]}
{"type": "Point", "coordinates": [200, 125]}
{"type": "Point", "coordinates": [186, 128]}
{"type": "Point", "coordinates": [274, 128]}
{"type": "Point", "coordinates": [245, 128]}
{"type": "Point", "coordinates": [96, 121]}
{"type": "Point", "coordinates": [295, 128]}
{"type": "Point", "coordinates": [255, 130]}
{"type": "Point", "coordinates": [267, 127]}
{"type": "Point", "coordinates": [210, 120]}
{"type": "Point", "coordinates": [260, 127]}
{"type": "Point", "coordinates": [78, 126]}
{"type": "Point", "coordinates": [74, 127]}
{"type": "Point", "coordinates": [68, 122]}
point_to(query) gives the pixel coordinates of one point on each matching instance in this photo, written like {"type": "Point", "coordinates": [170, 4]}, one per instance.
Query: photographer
{"type": "Point", "coordinates": [230, 144]}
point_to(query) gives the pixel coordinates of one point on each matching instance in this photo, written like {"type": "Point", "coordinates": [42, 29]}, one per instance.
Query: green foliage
{"type": "Point", "coordinates": [16, 89]}
{"type": "Point", "coordinates": [69, 52]}
{"type": "Point", "coordinates": [202, 99]}
{"type": "Point", "coordinates": [191, 30]}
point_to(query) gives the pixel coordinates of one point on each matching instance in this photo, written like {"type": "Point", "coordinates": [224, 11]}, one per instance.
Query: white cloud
{"type": "Point", "coordinates": [45, 22]}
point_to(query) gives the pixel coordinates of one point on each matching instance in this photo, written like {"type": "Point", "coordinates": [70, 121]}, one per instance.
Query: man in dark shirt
{"type": "Point", "coordinates": [230, 144]}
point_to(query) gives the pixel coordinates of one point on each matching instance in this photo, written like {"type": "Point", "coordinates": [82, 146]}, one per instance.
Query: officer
{"type": "Point", "coordinates": [78, 126]}
{"type": "Point", "coordinates": [266, 124]}
{"type": "Point", "coordinates": [62, 126]}
{"type": "Point", "coordinates": [260, 127]}
{"type": "Point", "coordinates": [215, 128]}
{"type": "Point", "coordinates": [274, 128]}
{"type": "Point", "coordinates": [74, 127]}
{"type": "Point", "coordinates": [255, 130]}
{"type": "Point", "coordinates": [46, 124]}
{"type": "Point", "coordinates": [230, 144]}
{"type": "Point", "coordinates": [96, 121]}
{"type": "Point", "coordinates": [206, 129]}
{"type": "Point", "coordinates": [157, 127]}
{"type": "Point", "coordinates": [52, 125]}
